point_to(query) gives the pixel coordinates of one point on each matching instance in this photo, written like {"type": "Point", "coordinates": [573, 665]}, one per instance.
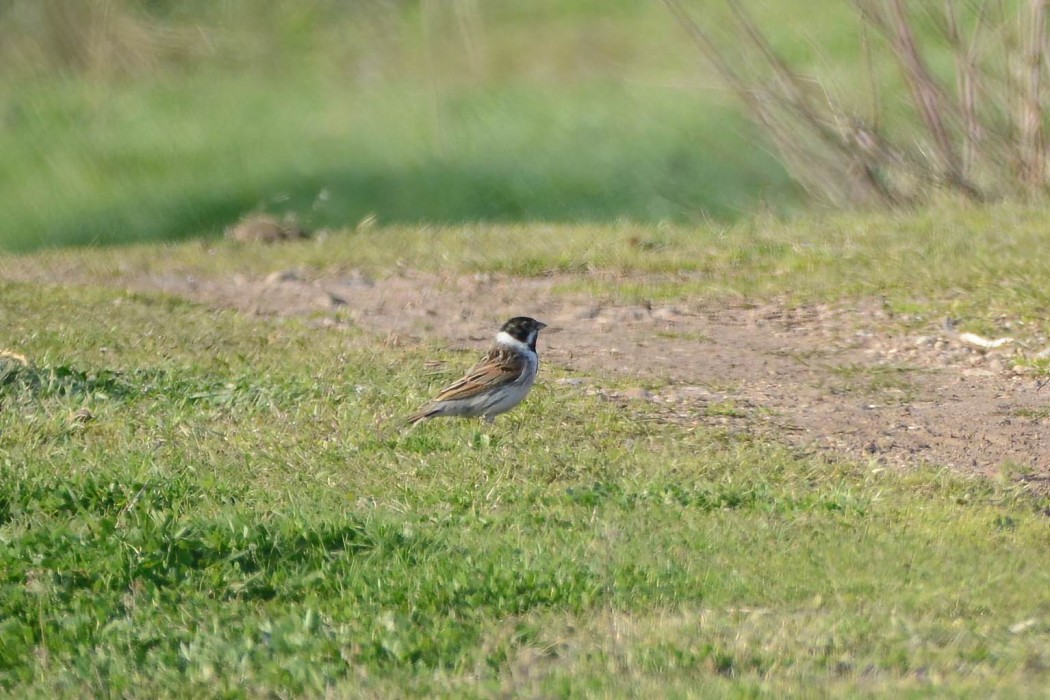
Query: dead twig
{"type": "Point", "coordinates": [1032, 151]}
{"type": "Point", "coordinates": [985, 138]}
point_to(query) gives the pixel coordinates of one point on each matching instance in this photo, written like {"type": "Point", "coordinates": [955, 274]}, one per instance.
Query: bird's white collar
{"type": "Point", "coordinates": [504, 338]}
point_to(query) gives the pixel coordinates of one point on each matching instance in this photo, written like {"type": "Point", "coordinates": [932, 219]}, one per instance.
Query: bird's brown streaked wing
{"type": "Point", "coordinates": [500, 366]}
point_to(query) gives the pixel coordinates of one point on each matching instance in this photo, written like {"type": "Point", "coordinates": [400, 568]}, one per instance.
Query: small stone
{"type": "Point", "coordinates": [666, 313]}
{"type": "Point", "coordinates": [1023, 626]}
{"type": "Point", "coordinates": [636, 394]}
{"type": "Point", "coordinates": [333, 300]}
{"type": "Point", "coordinates": [282, 276]}
{"type": "Point", "coordinates": [263, 228]}
{"type": "Point", "coordinates": [358, 279]}
{"type": "Point", "coordinates": [588, 313]}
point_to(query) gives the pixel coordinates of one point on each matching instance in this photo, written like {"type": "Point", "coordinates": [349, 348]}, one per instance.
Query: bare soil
{"type": "Point", "coordinates": [849, 379]}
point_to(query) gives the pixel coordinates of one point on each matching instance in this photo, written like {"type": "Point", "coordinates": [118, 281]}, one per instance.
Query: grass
{"type": "Point", "coordinates": [342, 114]}
{"type": "Point", "coordinates": [97, 165]}
{"type": "Point", "coordinates": [171, 120]}
{"type": "Point", "coordinates": [188, 115]}
{"type": "Point", "coordinates": [233, 515]}
{"type": "Point", "coordinates": [886, 382]}
{"type": "Point", "coordinates": [1033, 414]}
{"type": "Point", "coordinates": [974, 264]}
{"type": "Point", "coordinates": [198, 503]}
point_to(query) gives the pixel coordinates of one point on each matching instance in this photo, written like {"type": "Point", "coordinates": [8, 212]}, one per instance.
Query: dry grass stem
{"type": "Point", "coordinates": [983, 140]}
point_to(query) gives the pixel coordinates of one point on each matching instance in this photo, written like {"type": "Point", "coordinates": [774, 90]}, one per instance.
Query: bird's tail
{"type": "Point", "coordinates": [420, 415]}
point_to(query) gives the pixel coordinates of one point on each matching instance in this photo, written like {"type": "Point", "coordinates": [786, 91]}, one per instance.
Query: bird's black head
{"type": "Point", "coordinates": [524, 329]}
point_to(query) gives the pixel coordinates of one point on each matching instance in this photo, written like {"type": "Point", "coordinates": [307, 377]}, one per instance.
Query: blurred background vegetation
{"type": "Point", "coordinates": [130, 120]}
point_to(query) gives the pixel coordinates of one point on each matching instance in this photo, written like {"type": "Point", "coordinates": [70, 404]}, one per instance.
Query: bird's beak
{"type": "Point", "coordinates": [541, 325]}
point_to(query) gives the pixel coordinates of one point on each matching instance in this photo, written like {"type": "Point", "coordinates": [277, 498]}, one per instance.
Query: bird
{"type": "Point", "coordinates": [498, 382]}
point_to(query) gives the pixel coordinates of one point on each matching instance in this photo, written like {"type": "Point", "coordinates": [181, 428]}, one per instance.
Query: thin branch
{"type": "Point", "coordinates": [985, 137]}
{"type": "Point", "coordinates": [966, 84]}
{"type": "Point", "coordinates": [925, 94]}
{"type": "Point", "coordinates": [1011, 88]}
{"type": "Point", "coordinates": [929, 99]}
{"type": "Point", "coordinates": [1031, 114]}
{"type": "Point", "coordinates": [873, 81]}
{"type": "Point", "coordinates": [795, 97]}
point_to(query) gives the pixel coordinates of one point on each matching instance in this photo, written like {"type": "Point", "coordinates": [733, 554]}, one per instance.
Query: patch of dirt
{"type": "Point", "coordinates": [846, 379]}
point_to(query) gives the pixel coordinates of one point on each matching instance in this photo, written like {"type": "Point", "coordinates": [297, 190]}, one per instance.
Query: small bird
{"type": "Point", "coordinates": [498, 382]}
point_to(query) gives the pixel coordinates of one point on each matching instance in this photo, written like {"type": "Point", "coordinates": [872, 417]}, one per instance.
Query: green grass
{"type": "Point", "coordinates": [189, 115]}
{"type": "Point", "coordinates": [974, 264]}
{"type": "Point", "coordinates": [238, 517]}
{"type": "Point", "coordinates": [171, 120]}
{"type": "Point", "coordinates": [340, 114]}
{"type": "Point", "coordinates": [100, 165]}
{"type": "Point", "coordinates": [197, 503]}
{"type": "Point", "coordinates": [891, 383]}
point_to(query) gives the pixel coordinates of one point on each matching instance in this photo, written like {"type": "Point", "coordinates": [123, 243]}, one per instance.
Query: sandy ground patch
{"type": "Point", "coordinates": [844, 378]}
